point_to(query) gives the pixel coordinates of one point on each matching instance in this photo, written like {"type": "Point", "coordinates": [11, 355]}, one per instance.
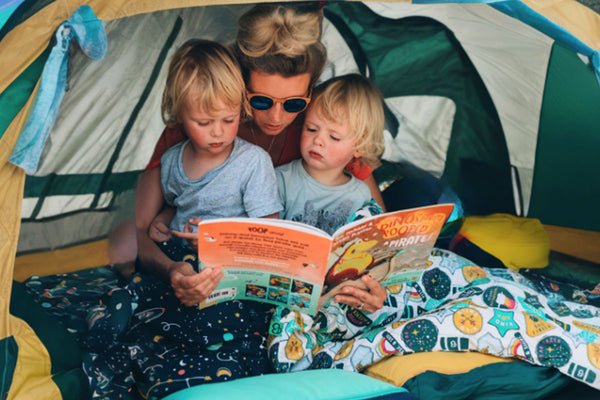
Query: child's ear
{"type": "Point", "coordinates": [357, 154]}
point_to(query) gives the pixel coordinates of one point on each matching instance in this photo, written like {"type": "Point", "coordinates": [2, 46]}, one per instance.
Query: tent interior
{"type": "Point", "coordinates": [482, 109]}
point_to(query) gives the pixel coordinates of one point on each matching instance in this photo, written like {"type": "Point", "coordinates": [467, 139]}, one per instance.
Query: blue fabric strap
{"type": "Point", "coordinates": [89, 32]}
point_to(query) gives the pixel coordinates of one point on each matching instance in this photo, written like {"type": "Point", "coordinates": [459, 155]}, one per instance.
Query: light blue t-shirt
{"type": "Point", "coordinates": [243, 186]}
{"type": "Point", "coordinates": [313, 203]}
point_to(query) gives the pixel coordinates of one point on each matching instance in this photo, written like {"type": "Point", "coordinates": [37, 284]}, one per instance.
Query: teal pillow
{"type": "Point", "coordinates": [330, 384]}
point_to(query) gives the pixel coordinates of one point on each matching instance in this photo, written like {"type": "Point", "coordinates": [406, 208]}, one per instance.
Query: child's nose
{"type": "Point", "coordinates": [218, 130]}
{"type": "Point", "coordinates": [319, 140]}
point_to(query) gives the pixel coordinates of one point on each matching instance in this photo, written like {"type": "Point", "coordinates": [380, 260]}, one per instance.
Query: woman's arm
{"type": "Point", "coordinates": [375, 192]}
{"type": "Point", "coordinates": [148, 203]}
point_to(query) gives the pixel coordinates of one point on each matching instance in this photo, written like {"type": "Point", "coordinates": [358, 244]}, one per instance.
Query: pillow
{"type": "Point", "coordinates": [398, 369]}
{"type": "Point", "coordinates": [330, 384]}
{"type": "Point", "coordinates": [514, 242]}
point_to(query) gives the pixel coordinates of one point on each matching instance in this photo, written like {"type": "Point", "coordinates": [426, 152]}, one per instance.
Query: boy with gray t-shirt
{"type": "Point", "coordinates": [243, 186]}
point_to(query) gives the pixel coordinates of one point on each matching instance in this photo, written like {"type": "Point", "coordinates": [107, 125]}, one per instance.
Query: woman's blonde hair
{"type": "Point", "coordinates": [281, 39]}
{"type": "Point", "coordinates": [202, 73]}
{"type": "Point", "coordinates": [357, 101]}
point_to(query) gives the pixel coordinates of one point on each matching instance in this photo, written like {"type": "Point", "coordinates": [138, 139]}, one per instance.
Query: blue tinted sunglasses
{"type": "Point", "coordinates": [293, 105]}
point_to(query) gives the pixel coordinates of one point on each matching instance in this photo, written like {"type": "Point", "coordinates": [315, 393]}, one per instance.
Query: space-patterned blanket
{"type": "Point", "coordinates": [454, 306]}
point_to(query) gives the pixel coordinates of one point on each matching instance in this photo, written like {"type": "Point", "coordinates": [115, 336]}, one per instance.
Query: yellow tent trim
{"type": "Point", "coordinates": [32, 378]}
{"type": "Point", "coordinates": [62, 261]}
{"type": "Point", "coordinates": [575, 242]}
{"type": "Point", "coordinates": [12, 180]}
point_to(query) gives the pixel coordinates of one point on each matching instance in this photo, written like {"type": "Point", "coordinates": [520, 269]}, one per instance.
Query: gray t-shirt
{"type": "Point", "coordinates": [243, 186]}
{"type": "Point", "coordinates": [313, 203]}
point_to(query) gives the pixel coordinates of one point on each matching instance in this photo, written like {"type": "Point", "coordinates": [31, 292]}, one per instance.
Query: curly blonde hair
{"type": "Point", "coordinates": [202, 72]}
{"type": "Point", "coordinates": [281, 39]}
{"type": "Point", "coordinates": [356, 100]}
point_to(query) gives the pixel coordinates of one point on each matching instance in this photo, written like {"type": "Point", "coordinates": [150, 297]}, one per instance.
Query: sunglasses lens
{"type": "Point", "coordinates": [261, 103]}
{"type": "Point", "coordinates": [294, 105]}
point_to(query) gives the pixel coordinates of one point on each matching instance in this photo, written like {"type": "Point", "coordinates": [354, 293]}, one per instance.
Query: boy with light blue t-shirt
{"type": "Point", "coordinates": [344, 122]}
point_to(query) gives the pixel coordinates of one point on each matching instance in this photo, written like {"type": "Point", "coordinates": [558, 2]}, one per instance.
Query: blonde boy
{"type": "Point", "coordinates": [212, 174]}
{"type": "Point", "coordinates": [343, 123]}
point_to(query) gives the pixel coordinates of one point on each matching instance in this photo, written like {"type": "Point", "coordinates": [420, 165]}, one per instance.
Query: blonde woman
{"type": "Point", "coordinates": [281, 58]}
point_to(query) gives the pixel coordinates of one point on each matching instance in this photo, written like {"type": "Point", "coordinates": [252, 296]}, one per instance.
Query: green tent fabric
{"type": "Point", "coordinates": [419, 56]}
{"type": "Point", "coordinates": [566, 172]}
{"type": "Point", "coordinates": [499, 381]}
{"type": "Point", "coordinates": [15, 96]}
{"type": "Point", "coordinates": [9, 351]}
{"type": "Point", "coordinates": [64, 351]}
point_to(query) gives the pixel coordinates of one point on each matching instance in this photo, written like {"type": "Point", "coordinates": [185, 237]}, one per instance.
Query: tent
{"type": "Point", "coordinates": [498, 100]}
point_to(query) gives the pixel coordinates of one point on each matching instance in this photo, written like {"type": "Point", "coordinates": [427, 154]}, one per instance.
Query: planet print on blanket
{"type": "Point", "coordinates": [553, 351]}
{"type": "Point", "coordinates": [420, 335]}
{"type": "Point", "coordinates": [437, 283]}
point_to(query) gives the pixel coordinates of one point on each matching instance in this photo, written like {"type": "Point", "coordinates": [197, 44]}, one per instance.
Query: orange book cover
{"type": "Point", "coordinates": [296, 265]}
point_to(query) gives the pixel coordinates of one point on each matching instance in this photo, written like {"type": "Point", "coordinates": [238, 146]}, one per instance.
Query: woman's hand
{"type": "Point", "coordinates": [191, 287]}
{"type": "Point", "coordinates": [369, 300]}
{"type": "Point", "coordinates": [188, 233]}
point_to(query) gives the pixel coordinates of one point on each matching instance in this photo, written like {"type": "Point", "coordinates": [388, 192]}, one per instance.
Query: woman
{"type": "Point", "coordinates": [281, 56]}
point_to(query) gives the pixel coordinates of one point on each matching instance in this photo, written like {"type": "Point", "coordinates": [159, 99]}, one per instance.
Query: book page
{"type": "Point", "coordinates": [393, 248]}
{"type": "Point", "coordinates": [265, 260]}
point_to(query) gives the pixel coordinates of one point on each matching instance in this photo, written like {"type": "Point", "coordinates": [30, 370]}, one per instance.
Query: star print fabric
{"type": "Point", "coordinates": [165, 346]}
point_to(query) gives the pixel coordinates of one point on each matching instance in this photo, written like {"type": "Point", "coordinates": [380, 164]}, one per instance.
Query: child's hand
{"type": "Point", "coordinates": [191, 287]}
{"type": "Point", "coordinates": [159, 231]}
{"type": "Point", "coordinates": [188, 233]}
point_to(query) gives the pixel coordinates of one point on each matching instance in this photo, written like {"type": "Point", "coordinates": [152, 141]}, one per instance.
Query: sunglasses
{"type": "Point", "coordinates": [293, 105]}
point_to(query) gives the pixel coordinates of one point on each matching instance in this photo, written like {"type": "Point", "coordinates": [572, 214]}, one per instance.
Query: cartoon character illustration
{"type": "Point", "coordinates": [277, 295]}
{"type": "Point", "coordinates": [280, 281]}
{"type": "Point", "coordinates": [255, 291]}
{"type": "Point", "coordinates": [301, 287]}
{"type": "Point", "coordinates": [299, 301]}
{"type": "Point", "coordinates": [353, 262]}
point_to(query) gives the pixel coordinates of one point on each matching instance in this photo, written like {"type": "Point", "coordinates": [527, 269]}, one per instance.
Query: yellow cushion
{"type": "Point", "coordinates": [516, 241]}
{"type": "Point", "coordinates": [398, 369]}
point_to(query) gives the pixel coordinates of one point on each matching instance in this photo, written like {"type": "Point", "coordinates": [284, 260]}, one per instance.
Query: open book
{"type": "Point", "coordinates": [296, 265]}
